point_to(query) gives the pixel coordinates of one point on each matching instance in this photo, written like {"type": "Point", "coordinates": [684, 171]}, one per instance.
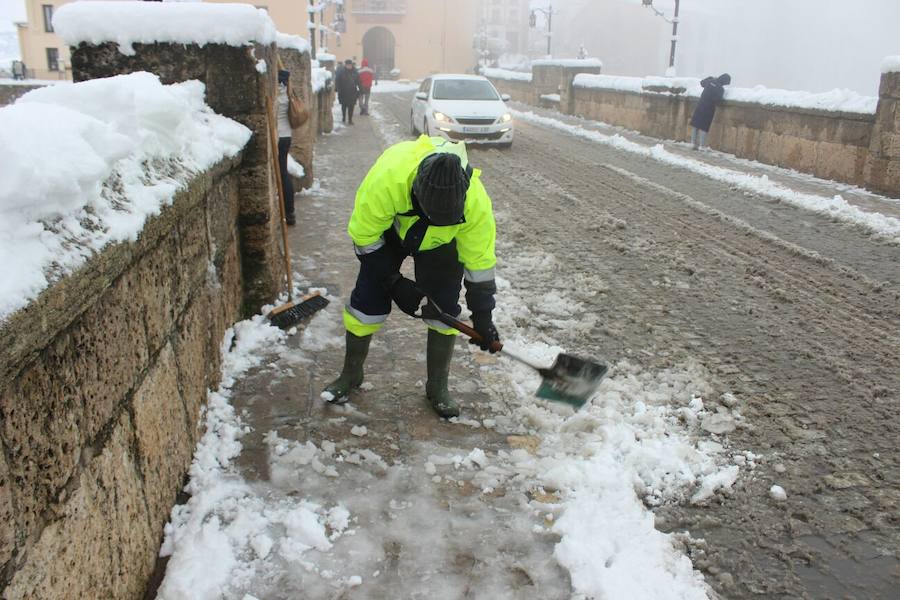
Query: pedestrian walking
{"type": "Point", "coordinates": [420, 199]}
{"type": "Point", "coordinates": [366, 79]}
{"type": "Point", "coordinates": [701, 120]}
{"type": "Point", "coordinates": [284, 144]}
{"type": "Point", "coordinates": [346, 82]}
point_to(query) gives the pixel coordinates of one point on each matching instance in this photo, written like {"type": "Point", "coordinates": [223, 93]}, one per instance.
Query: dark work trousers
{"type": "Point", "coordinates": [287, 185]}
{"type": "Point", "coordinates": [347, 111]}
{"type": "Point", "coordinates": [438, 273]}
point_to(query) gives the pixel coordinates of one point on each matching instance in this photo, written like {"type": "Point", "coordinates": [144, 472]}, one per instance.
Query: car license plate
{"type": "Point", "coordinates": [475, 129]}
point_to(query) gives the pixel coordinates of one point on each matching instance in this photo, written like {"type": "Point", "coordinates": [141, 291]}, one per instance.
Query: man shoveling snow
{"type": "Point", "coordinates": [420, 199]}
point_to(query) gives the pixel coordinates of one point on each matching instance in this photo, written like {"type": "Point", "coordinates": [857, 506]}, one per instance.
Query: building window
{"type": "Point", "coordinates": [52, 59]}
{"type": "Point", "coordinates": [48, 17]}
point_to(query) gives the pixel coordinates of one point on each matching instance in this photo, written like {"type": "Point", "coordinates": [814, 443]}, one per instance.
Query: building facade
{"type": "Point", "coordinates": [44, 54]}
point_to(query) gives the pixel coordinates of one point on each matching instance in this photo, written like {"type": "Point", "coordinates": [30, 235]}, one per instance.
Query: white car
{"type": "Point", "coordinates": [462, 107]}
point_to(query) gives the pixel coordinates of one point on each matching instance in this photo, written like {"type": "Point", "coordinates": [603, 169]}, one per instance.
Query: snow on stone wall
{"type": "Point", "coordinates": [128, 23]}
{"type": "Point", "coordinates": [85, 165]}
{"type": "Point", "coordinates": [890, 64]}
{"type": "Point", "coordinates": [506, 74]}
{"type": "Point", "coordinates": [837, 100]}
{"type": "Point", "coordinates": [568, 62]}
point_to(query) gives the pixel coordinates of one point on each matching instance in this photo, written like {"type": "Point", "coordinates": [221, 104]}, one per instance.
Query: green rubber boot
{"type": "Point", "coordinates": [352, 373]}
{"type": "Point", "coordinates": [440, 351]}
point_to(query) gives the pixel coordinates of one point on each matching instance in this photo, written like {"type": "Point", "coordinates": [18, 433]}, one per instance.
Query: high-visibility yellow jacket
{"type": "Point", "coordinates": [385, 195]}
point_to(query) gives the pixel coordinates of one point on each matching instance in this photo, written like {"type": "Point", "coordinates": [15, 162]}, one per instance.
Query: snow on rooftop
{"type": "Point", "coordinates": [84, 165]}
{"type": "Point", "coordinates": [890, 64]}
{"type": "Point", "coordinates": [506, 74]}
{"type": "Point", "coordinates": [567, 62]}
{"type": "Point", "coordinates": [285, 40]}
{"type": "Point", "coordinates": [837, 100]}
{"type": "Point", "coordinates": [128, 23]}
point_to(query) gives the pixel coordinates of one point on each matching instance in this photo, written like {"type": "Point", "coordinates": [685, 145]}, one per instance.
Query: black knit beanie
{"type": "Point", "coordinates": [440, 187]}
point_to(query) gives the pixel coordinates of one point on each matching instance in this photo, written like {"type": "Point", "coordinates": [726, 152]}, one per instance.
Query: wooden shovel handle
{"type": "Point", "coordinates": [467, 329]}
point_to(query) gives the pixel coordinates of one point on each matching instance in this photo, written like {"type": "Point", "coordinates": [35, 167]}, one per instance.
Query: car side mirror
{"type": "Point", "coordinates": [505, 97]}
{"type": "Point", "coordinates": [421, 96]}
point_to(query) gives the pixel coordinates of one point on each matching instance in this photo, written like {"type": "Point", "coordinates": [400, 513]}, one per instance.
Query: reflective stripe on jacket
{"type": "Point", "coordinates": [385, 194]}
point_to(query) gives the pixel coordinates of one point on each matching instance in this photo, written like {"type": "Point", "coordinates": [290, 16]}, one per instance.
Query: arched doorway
{"type": "Point", "coordinates": [378, 48]}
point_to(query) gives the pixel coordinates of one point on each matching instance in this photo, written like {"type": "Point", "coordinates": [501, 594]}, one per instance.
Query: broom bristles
{"type": "Point", "coordinates": [292, 313]}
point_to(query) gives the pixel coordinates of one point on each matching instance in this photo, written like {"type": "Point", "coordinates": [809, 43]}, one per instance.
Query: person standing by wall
{"type": "Point", "coordinates": [347, 84]}
{"type": "Point", "coordinates": [701, 120]}
{"type": "Point", "coordinates": [366, 78]}
{"type": "Point", "coordinates": [284, 144]}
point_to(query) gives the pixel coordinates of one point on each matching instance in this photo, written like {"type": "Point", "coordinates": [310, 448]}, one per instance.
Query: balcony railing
{"type": "Point", "coordinates": [379, 7]}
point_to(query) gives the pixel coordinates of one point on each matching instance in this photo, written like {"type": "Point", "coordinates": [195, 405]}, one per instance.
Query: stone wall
{"type": "Point", "coordinates": [10, 92]}
{"type": "Point", "coordinates": [325, 101]}
{"type": "Point", "coordinates": [235, 89]}
{"type": "Point", "coordinates": [303, 139]}
{"type": "Point", "coordinates": [857, 148]}
{"type": "Point", "coordinates": [832, 145]}
{"type": "Point", "coordinates": [101, 382]}
{"type": "Point", "coordinates": [882, 171]}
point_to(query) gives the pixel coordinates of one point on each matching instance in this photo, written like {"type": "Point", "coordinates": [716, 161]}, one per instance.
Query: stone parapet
{"type": "Point", "coordinates": [882, 168]}
{"type": "Point", "coordinates": [10, 92]}
{"type": "Point", "coordinates": [303, 139]}
{"type": "Point", "coordinates": [237, 89]}
{"type": "Point", "coordinates": [101, 383]}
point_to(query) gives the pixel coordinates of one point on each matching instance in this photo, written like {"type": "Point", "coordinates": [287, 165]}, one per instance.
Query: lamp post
{"type": "Point", "coordinates": [674, 22]}
{"type": "Point", "coordinates": [547, 12]}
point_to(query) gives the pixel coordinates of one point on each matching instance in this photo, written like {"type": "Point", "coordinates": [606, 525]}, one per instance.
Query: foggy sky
{"type": "Point", "coordinates": [813, 45]}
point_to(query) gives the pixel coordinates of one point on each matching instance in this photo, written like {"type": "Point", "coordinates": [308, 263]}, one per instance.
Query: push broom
{"type": "Point", "coordinates": [291, 313]}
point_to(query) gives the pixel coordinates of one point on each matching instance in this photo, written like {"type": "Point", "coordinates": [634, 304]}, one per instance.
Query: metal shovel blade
{"type": "Point", "coordinates": [571, 380]}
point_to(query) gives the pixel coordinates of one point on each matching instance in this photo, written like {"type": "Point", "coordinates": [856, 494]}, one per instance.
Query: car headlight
{"type": "Point", "coordinates": [439, 116]}
{"type": "Point", "coordinates": [505, 118]}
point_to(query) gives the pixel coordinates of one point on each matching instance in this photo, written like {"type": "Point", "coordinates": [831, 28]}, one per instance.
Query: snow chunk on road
{"type": "Point", "coordinates": [121, 148]}
{"type": "Point", "coordinates": [128, 23]}
{"type": "Point", "coordinates": [359, 430]}
{"type": "Point", "coordinates": [776, 492]}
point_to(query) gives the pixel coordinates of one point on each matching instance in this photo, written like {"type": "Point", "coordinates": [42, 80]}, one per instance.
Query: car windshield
{"type": "Point", "coordinates": [464, 89]}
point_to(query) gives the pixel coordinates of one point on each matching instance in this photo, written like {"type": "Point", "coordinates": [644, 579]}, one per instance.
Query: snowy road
{"type": "Point", "coordinates": [753, 344]}
{"type": "Point", "coordinates": [794, 313]}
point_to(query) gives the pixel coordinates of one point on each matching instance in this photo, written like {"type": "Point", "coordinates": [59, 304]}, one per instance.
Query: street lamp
{"type": "Point", "coordinates": [547, 12]}
{"type": "Point", "coordinates": [674, 22]}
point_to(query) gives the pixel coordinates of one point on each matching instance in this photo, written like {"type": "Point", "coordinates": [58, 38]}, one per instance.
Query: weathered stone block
{"type": "Point", "coordinates": [193, 256]}
{"type": "Point", "coordinates": [840, 162]}
{"type": "Point", "coordinates": [41, 418]}
{"type": "Point", "coordinates": [101, 545]}
{"type": "Point", "coordinates": [798, 154]}
{"type": "Point", "coordinates": [158, 276]}
{"type": "Point", "coordinates": [192, 356]}
{"type": "Point", "coordinates": [231, 278]}
{"type": "Point", "coordinates": [7, 514]}
{"type": "Point", "coordinates": [890, 86]}
{"type": "Point", "coordinates": [164, 443]}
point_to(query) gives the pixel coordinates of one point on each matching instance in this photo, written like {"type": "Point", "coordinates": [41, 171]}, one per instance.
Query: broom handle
{"type": "Point", "coordinates": [496, 345]}
{"type": "Point", "coordinates": [273, 137]}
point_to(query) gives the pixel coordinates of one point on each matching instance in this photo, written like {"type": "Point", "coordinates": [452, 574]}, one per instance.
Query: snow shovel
{"type": "Point", "coordinates": [571, 380]}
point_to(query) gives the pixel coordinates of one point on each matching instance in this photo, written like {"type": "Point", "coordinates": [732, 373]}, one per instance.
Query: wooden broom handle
{"type": "Point", "coordinates": [273, 137]}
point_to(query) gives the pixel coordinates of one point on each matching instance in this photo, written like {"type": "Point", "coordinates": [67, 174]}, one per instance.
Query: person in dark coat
{"type": "Point", "coordinates": [346, 83]}
{"type": "Point", "coordinates": [713, 91]}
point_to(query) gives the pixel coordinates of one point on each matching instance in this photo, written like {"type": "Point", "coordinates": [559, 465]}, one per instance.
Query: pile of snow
{"type": "Point", "coordinates": [890, 64]}
{"type": "Point", "coordinates": [505, 74]}
{"type": "Point", "coordinates": [294, 168]}
{"type": "Point", "coordinates": [228, 532]}
{"type": "Point", "coordinates": [837, 100]}
{"type": "Point", "coordinates": [128, 23]}
{"type": "Point", "coordinates": [567, 62]}
{"type": "Point", "coordinates": [835, 208]}
{"type": "Point", "coordinates": [84, 165]}
{"type": "Point", "coordinates": [514, 62]}
{"type": "Point", "coordinates": [325, 56]}
{"type": "Point", "coordinates": [320, 77]}
{"type": "Point", "coordinates": [550, 97]}
{"type": "Point", "coordinates": [394, 87]}
{"type": "Point", "coordinates": [295, 42]}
